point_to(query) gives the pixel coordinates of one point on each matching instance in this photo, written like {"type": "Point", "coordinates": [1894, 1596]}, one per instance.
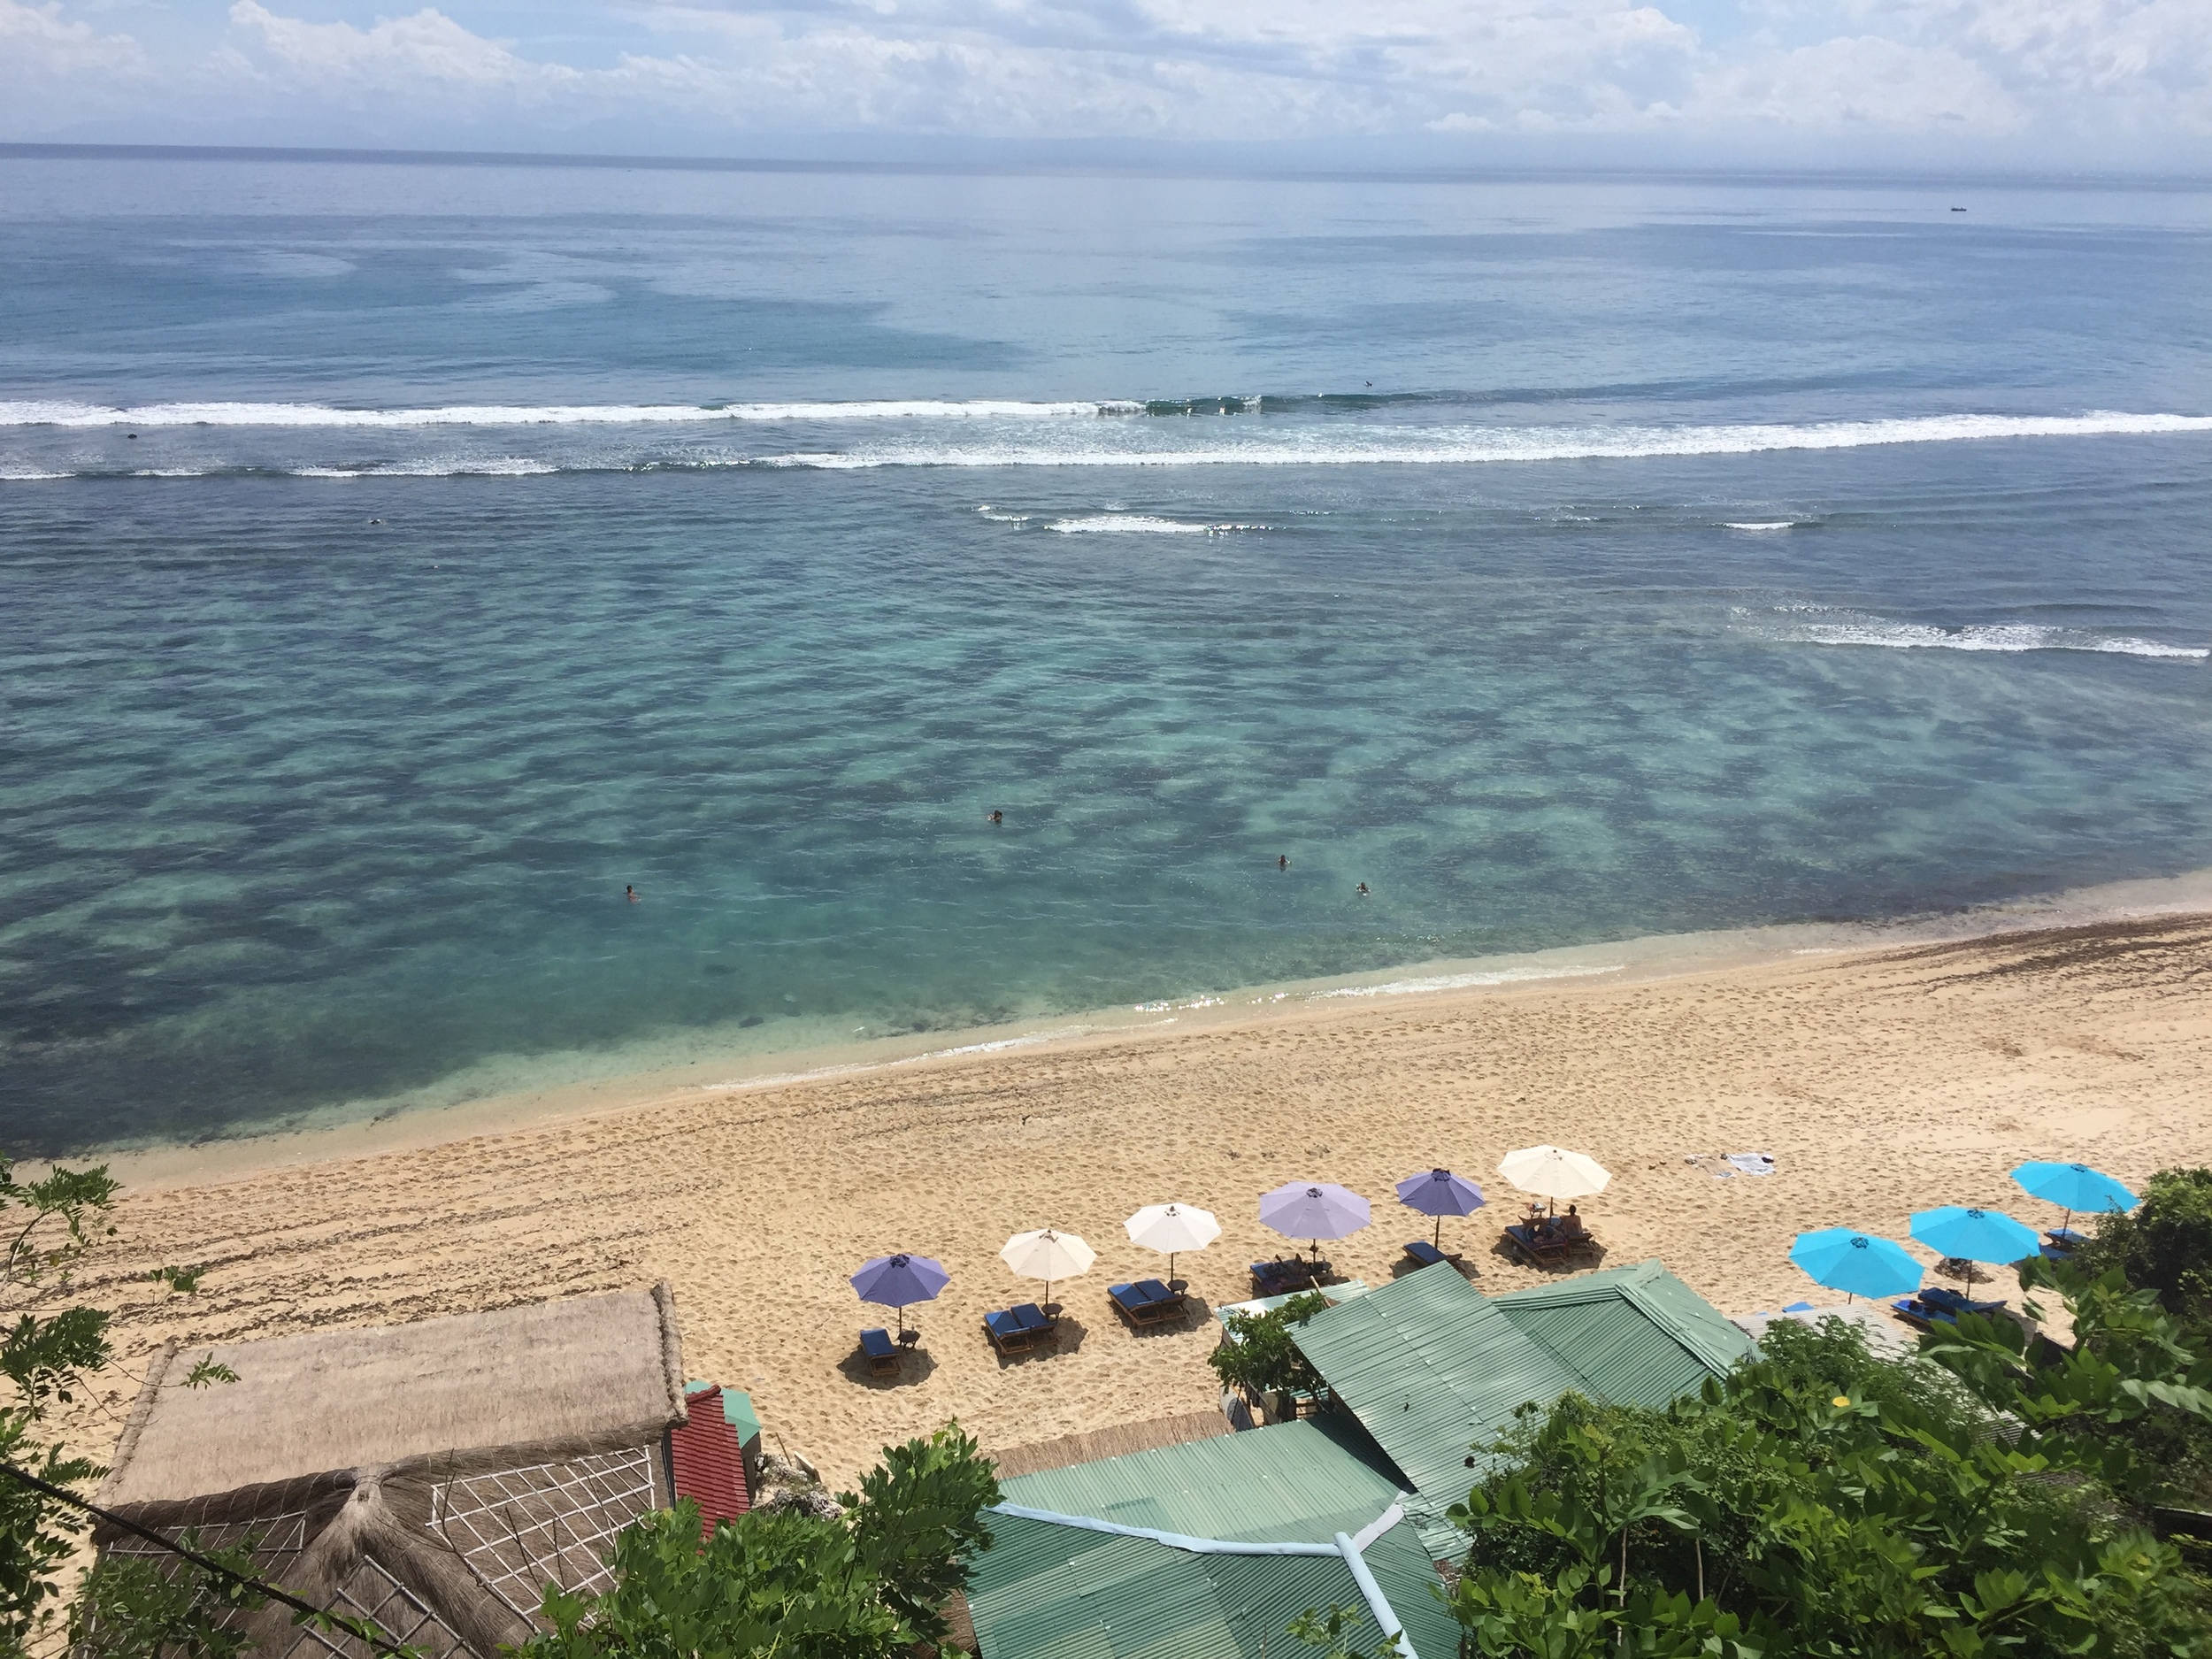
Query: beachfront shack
{"type": "Point", "coordinates": [1210, 1547]}
{"type": "Point", "coordinates": [432, 1477]}
{"type": "Point", "coordinates": [1431, 1368]}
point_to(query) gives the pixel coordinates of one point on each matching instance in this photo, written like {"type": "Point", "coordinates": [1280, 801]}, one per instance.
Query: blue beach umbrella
{"type": "Point", "coordinates": [1313, 1210]}
{"type": "Point", "coordinates": [1976, 1235]}
{"type": "Point", "coordinates": [2073, 1187]}
{"type": "Point", "coordinates": [1857, 1263]}
{"type": "Point", "coordinates": [893, 1281]}
{"type": "Point", "coordinates": [1439, 1193]}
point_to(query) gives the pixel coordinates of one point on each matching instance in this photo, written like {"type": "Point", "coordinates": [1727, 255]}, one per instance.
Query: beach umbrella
{"type": "Point", "coordinates": [1856, 1263]}
{"type": "Point", "coordinates": [893, 1281]}
{"type": "Point", "coordinates": [1313, 1210]}
{"type": "Point", "coordinates": [1439, 1193]}
{"type": "Point", "coordinates": [2073, 1187]}
{"type": "Point", "coordinates": [1046, 1254]}
{"type": "Point", "coordinates": [1171, 1229]}
{"type": "Point", "coordinates": [1975, 1235]}
{"type": "Point", "coordinates": [1553, 1172]}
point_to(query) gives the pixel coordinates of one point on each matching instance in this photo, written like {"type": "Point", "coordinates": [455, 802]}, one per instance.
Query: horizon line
{"type": "Point", "coordinates": [1076, 165]}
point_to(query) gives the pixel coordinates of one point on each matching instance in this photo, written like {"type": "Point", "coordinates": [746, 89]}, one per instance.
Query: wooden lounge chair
{"type": "Point", "coordinates": [1280, 1277]}
{"type": "Point", "coordinates": [1937, 1306]}
{"type": "Point", "coordinates": [1550, 1245]}
{"type": "Point", "coordinates": [2063, 1242]}
{"type": "Point", "coordinates": [1147, 1302]}
{"type": "Point", "coordinates": [883, 1353]}
{"type": "Point", "coordinates": [1423, 1254]}
{"type": "Point", "coordinates": [1007, 1332]}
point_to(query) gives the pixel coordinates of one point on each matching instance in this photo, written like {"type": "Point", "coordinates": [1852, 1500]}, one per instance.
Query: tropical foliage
{"type": "Point", "coordinates": [1261, 1355]}
{"type": "Point", "coordinates": [865, 1584]}
{"type": "Point", "coordinates": [1986, 1496]}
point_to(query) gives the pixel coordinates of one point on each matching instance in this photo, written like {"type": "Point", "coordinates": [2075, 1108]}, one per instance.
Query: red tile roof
{"type": "Point", "coordinates": [709, 1462]}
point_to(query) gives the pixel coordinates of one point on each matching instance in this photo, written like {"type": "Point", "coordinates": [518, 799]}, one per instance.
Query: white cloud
{"type": "Point", "coordinates": [2133, 75]}
{"type": "Point", "coordinates": [428, 51]}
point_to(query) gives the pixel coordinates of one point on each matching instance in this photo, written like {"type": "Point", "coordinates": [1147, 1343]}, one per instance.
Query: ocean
{"type": "Point", "coordinates": [399, 562]}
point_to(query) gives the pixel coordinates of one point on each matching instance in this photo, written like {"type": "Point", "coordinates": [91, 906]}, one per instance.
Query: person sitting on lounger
{"type": "Point", "coordinates": [1570, 1223]}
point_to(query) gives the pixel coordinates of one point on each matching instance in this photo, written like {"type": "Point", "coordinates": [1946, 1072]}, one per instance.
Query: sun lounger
{"type": "Point", "coordinates": [883, 1353]}
{"type": "Point", "coordinates": [1937, 1306]}
{"type": "Point", "coordinates": [1017, 1330]}
{"type": "Point", "coordinates": [1147, 1302]}
{"type": "Point", "coordinates": [1423, 1254]}
{"type": "Point", "coordinates": [1278, 1277]}
{"type": "Point", "coordinates": [1951, 1301]}
{"type": "Point", "coordinates": [1546, 1246]}
{"type": "Point", "coordinates": [2063, 1242]}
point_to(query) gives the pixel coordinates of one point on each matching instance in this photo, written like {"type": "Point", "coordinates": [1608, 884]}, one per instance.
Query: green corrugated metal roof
{"type": "Point", "coordinates": [1634, 1335]}
{"type": "Point", "coordinates": [1431, 1368]}
{"type": "Point", "coordinates": [1304, 1480]}
{"type": "Point", "coordinates": [1044, 1591]}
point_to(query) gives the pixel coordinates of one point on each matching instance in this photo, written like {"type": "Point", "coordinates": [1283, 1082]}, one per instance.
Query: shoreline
{"type": "Point", "coordinates": [378, 1126]}
{"type": "Point", "coordinates": [1880, 1081]}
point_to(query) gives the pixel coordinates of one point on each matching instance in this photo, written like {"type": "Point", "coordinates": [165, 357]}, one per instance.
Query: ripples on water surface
{"type": "Point", "coordinates": [1702, 556]}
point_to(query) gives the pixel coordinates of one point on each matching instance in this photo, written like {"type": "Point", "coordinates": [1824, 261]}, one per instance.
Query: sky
{"type": "Point", "coordinates": [2043, 85]}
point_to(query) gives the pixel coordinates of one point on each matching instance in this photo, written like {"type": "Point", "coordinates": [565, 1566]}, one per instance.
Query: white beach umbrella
{"type": "Point", "coordinates": [1553, 1172]}
{"type": "Point", "coordinates": [1046, 1254]}
{"type": "Point", "coordinates": [1172, 1228]}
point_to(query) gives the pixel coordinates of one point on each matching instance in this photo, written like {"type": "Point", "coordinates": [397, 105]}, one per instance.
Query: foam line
{"type": "Point", "coordinates": [1329, 446]}
{"type": "Point", "coordinates": [1849, 629]}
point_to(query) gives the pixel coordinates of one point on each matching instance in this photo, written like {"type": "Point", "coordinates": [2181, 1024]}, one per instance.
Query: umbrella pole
{"type": "Point", "coordinates": [1440, 1233]}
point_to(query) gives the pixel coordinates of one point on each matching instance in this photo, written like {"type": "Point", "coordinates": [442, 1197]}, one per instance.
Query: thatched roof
{"type": "Point", "coordinates": [436, 1476]}
{"type": "Point", "coordinates": [589, 1373]}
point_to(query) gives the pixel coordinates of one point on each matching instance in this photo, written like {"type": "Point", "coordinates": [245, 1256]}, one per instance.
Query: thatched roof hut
{"type": "Point", "coordinates": [432, 1477]}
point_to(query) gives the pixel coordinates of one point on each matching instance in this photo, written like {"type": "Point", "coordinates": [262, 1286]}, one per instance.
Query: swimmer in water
{"type": "Point", "coordinates": [997, 817]}
{"type": "Point", "coordinates": [1282, 861]}
{"type": "Point", "coordinates": [1363, 889]}
{"type": "Point", "coordinates": [630, 893]}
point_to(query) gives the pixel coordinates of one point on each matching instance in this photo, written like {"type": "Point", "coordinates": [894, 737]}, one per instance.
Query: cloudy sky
{"type": "Point", "coordinates": [2091, 84]}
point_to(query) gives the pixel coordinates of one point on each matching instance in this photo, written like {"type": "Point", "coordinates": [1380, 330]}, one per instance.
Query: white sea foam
{"type": "Point", "coordinates": [48, 412]}
{"type": "Point", "coordinates": [1757, 528]}
{"type": "Point", "coordinates": [1144, 444]}
{"type": "Point", "coordinates": [1845, 628]}
{"type": "Point", "coordinates": [494, 466]}
{"type": "Point", "coordinates": [1458, 981]}
{"type": "Point", "coordinates": [1142, 524]}
{"type": "Point", "coordinates": [27, 475]}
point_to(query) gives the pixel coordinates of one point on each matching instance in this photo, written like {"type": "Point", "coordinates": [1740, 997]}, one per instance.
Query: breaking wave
{"type": "Point", "coordinates": [1845, 628]}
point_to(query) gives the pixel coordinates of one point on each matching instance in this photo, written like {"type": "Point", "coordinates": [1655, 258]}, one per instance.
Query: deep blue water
{"type": "Point", "coordinates": [491, 540]}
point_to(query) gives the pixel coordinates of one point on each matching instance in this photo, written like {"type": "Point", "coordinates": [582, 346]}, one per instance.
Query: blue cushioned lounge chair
{"type": "Point", "coordinates": [883, 1353]}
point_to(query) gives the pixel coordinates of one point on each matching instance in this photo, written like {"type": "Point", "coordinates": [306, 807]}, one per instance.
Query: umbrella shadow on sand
{"type": "Point", "coordinates": [1564, 1264]}
{"type": "Point", "coordinates": [1197, 1313]}
{"type": "Point", "coordinates": [1071, 1332]}
{"type": "Point", "coordinates": [915, 1367]}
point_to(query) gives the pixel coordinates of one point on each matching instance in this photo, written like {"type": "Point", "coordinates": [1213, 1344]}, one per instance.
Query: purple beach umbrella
{"type": "Point", "coordinates": [893, 1281]}
{"type": "Point", "coordinates": [1313, 1210]}
{"type": "Point", "coordinates": [1439, 1193]}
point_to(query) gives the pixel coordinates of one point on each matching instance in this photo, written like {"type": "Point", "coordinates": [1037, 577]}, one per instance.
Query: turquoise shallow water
{"type": "Point", "coordinates": [1702, 557]}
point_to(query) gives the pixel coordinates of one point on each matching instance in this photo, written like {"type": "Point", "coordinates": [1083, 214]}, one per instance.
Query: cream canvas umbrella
{"type": "Point", "coordinates": [1046, 1254]}
{"type": "Point", "coordinates": [1172, 1228]}
{"type": "Point", "coordinates": [1553, 1172]}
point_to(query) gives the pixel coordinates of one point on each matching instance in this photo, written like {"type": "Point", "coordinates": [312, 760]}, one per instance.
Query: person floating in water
{"type": "Point", "coordinates": [1282, 861]}
{"type": "Point", "coordinates": [1363, 889]}
{"type": "Point", "coordinates": [630, 893]}
{"type": "Point", "coordinates": [997, 817]}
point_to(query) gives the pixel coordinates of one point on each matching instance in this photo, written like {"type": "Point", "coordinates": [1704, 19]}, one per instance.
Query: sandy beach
{"type": "Point", "coordinates": [1882, 1081]}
